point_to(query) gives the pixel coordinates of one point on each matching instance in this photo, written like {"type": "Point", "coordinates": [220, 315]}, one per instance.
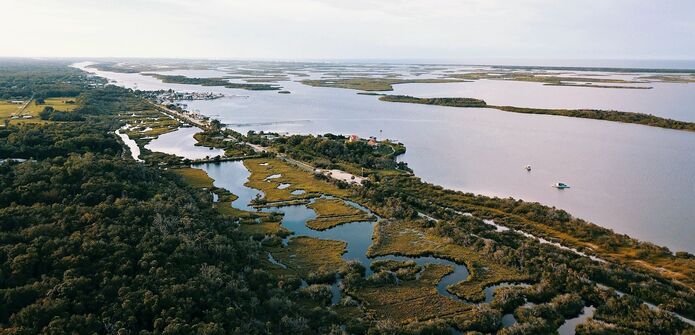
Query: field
{"type": "Point", "coordinates": [334, 212]}
{"type": "Point", "coordinates": [8, 109]}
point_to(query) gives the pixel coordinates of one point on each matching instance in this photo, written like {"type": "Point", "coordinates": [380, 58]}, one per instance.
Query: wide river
{"type": "Point", "coordinates": [634, 179]}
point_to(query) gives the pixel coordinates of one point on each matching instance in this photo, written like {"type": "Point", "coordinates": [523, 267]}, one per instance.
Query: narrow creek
{"type": "Point", "coordinates": [134, 148]}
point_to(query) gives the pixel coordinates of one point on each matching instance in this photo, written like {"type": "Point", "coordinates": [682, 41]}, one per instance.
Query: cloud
{"type": "Point", "coordinates": [452, 29]}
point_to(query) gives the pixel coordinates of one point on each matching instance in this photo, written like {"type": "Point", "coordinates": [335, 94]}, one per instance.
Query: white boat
{"type": "Point", "coordinates": [561, 186]}
{"type": "Point", "coordinates": [528, 168]}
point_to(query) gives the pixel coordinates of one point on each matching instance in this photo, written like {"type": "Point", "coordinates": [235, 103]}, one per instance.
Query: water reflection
{"type": "Point", "coordinates": [181, 143]}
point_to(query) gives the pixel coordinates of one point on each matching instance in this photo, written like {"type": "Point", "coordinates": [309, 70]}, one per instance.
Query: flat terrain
{"type": "Point", "coordinates": [267, 174]}
{"type": "Point", "coordinates": [334, 212]}
{"type": "Point", "coordinates": [9, 109]}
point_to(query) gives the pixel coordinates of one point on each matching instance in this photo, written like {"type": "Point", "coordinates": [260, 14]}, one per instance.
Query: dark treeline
{"type": "Point", "coordinates": [451, 102]}
{"type": "Point", "coordinates": [595, 114]}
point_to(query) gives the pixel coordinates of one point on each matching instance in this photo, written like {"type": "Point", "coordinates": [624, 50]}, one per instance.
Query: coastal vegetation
{"type": "Point", "coordinates": [640, 261]}
{"type": "Point", "coordinates": [413, 238]}
{"type": "Point", "coordinates": [595, 114]}
{"type": "Point", "coordinates": [314, 259]}
{"type": "Point", "coordinates": [194, 177]}
{"type": "Point", "coordinates": [410, 300]}
{"type": "Point", "coordinates": [671, 78]}
{"type": "Point", "coordinates": [402, 196]}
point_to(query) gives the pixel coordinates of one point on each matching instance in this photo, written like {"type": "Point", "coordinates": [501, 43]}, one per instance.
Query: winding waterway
{"type": "Point", "coordinates": [232, 175]}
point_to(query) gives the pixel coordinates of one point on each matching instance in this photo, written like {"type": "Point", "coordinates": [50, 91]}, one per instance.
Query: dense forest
{"type": "Point", "coordinates": [94, 243]}
{"type": "Point", "coordinates": [329, 150]}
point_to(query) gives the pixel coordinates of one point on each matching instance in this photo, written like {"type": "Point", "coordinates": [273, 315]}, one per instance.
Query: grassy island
{"type": "Point", "coordinates": [334, 212]}
{"type": "Point", "coordinates": [212, 82]}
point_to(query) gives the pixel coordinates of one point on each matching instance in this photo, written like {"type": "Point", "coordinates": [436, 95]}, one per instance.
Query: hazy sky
{"type": "Point", "coordinates": [351, 29]}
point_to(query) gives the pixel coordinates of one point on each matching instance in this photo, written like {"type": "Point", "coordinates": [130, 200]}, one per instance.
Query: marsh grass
{"type": "Point", "coordinates": [334, 212]}
{"type": "Point", "coordinates": [194, 177]}
{"type": "Point", "coordinates": [412, 300]}
{"type": "Point", "coordinates": [311, 257]}
{"type": "Point", "coordinates": [409, 239]}
{"type": "Point", "coordinates": [298, 180]}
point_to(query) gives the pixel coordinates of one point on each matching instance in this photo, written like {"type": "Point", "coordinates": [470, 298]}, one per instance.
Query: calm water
{"type": "Point", "coordinates": [634, 179]}
{"type": "Point", "coordinates": [181, 143]}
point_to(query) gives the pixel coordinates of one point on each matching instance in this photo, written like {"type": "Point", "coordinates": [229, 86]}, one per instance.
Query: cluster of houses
{"type": "Point", "coordinates": [171, 96]}
{"type": "Point", "coordinates": [372, 140]}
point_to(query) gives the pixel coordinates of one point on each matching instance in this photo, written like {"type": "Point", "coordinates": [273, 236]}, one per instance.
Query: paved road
{"type": "Point", "coordinates": [199, 123]}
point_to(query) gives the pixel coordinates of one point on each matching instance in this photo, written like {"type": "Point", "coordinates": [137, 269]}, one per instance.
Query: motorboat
{"type": "Point", "coordinates": [561, 186]}
{"type": "Point", "coordinates": [528, 168]}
